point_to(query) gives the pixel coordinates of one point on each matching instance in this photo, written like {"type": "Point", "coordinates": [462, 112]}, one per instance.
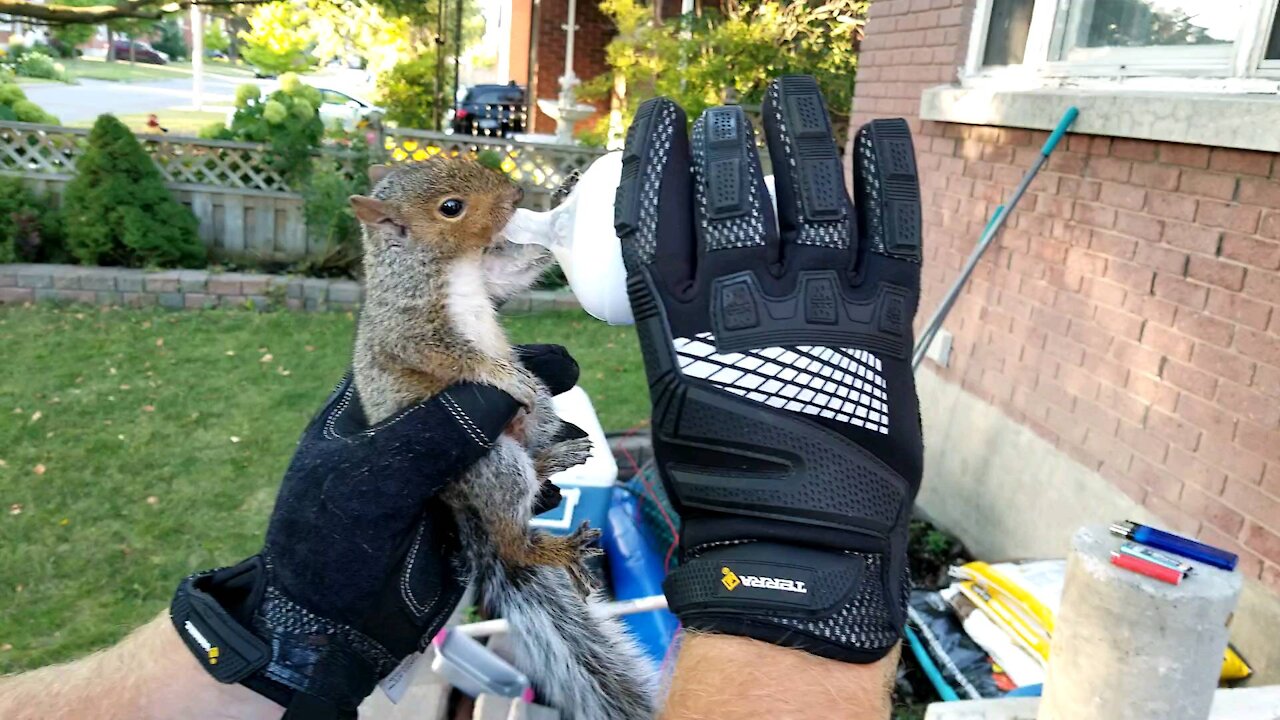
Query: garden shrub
{"type": "Point", "coordinates": [117, 210]}
{"type": "Point", "coordinates": [14, 105]}
{"type": "Point", "coordinates": [39, 65]}
{"type": "Point", "coordinates": [30, 225]}
{"type": "Point", "coordinates": [405, 92]}
{"type": "Point", "coordinates": [170, 41]}
{"type": "Point", "coordinates": [287, 121]}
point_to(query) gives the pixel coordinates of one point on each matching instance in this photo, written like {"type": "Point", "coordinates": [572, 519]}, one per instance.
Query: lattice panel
{"type": "Point", "coordinates": [534, 165]}
{"type": "Point", "coordinates": [40, 148]}
{"type": "Point", "coordinates": [223, 164]}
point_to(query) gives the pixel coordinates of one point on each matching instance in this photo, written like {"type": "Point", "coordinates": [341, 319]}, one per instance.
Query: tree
{"type": "Point", "coordinates": [118, 211]}
{"type": "Point", "coordinates": [72, 36]}
{"type": "Point", "coordinates": [279, 39]}
{"type": "Point", "coordinates": [99, 11]}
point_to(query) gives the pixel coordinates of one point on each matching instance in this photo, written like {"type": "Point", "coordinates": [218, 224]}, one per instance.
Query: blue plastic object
{"type": "Point", "coordinates": [1185, 547]}
{"type": "Point", "coordinates": [1067, 118]}
{"type": "Point", "coordinates": [930, 668]}
{"type": "Point", "coordinates": [636, 571]}
{"type": "Point", "coordinates": [1026, 691]}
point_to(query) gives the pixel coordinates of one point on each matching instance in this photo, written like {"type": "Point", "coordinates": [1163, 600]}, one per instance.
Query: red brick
{"type": "Point", "coordinates": [1155, 177]}
{"type": "Point", "coordinates": [1180, 291]}
{"type": "Point", "coordinates": [1118, 323]}
{"type": "Point", "coordinates": [1259, 191]}
{"type": "Point", "coordinates": [1176, 430]}
{"type": "Point", "coordinates": [1130, 275]}
{"type": "Point", "coordinates": [1251, 251]}
{"type": "Point", "coordinates": [1231, 216]}
{"type": "Point", "coordinates": [1190, 379]}
{"type": "Point", "coordinates": [1136, 357]}
{"type": "Point", "coordinates": [1157, 480]}
{"type": "Point", "coordinates": [1264, 441]}
{"type": "Point", "coordinates": [1139, 226]}
{"type": "Point", "coordinates": [1211, 510]}
{"type": "Point", "coordinates": [1263, 285]}
{"type": "Point", "coordinates": [1172, 515]}
{"type": "Point", "coordinates": [1270, 225]}
{"type": "Point", "coordinates": [1171, 206]}
{"type": "Point", "coordinates": [1266, 380]}
{"type": "Point", "coordinates": [1252, 502]}
{"type": "Point", "coordinates": [1126, 405]}
{"type": "Point", "coordinates": [1239, 309]}
{"type": "Point", "coordinates": [1113, 244]}
{"type": "Point", "coordinates": [1213, 420]}
{"type": "Point", "coordinates": [1146, 443]}
{"type": "Point", "coordinates": [1271, 479]}
{"type": "Point", "coordinates": [1109, 168]}
{"type": "Point", "coordinates": [1078, 187]}
{"type": "Point", "coordinates": [1126, 196]}
{"type": "Point", "coordinates": [1189, 155]}
{"type": "Point", "coordinates": [1215, 272]}
{"type": "Point", "coordinates": [1167, 341]}
{"type": "Point", "coordinates": [1245, 162]}
{"type": "Point", "coordinates": [1236, 462]}
{"type": "Point", "coordinates": [1222, 363]}
{"type": "Point", "coordinates": [1249, 565]}
{"type": "Point", "coordinates": [1207, 184]}
{"type": "Point", "coordinates": [1204, 327]}
{"type": "Point", "coordinates": [1162, 258]}
{"type": "Point", "coordinates": [1118, 476]}
{"type": "Point", "coordinates": [1269, 577]}
{"type": "Point", "coordinates": [1262, 541]}
{"type": "Point", "coordinates": [1099, 216]}
{"type": "Point", "coordinates": [1150, 308]}
{"type": "Point", "coordinates": [1249, 405]}
{"type": "Point", "coordinates": [1195, 472]}
{"type": "Point", "coordinates": [1133, 149]}
{"type": "Point", "coordinates": [1151, 390]}
{"type": "Point", "coordinates": [1076, 381]}
{"type": "Point", "coordinates": [1191, 237]}
{"type": "Point", "coordinates": [1264, 347]}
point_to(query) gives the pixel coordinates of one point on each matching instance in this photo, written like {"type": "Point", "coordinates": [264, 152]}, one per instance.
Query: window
{"type": "Point", "coordinates": [1234, 42]}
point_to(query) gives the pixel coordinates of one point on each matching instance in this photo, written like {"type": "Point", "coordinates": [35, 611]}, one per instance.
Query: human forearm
{"type": "Point", "coordinates": [149, 675]}
{"type": "Point", "coordinates": [720, 676]}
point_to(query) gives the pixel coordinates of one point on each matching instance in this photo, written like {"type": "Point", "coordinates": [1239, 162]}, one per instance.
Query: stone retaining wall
{"type": "Point", "coordinates": [196, 289]}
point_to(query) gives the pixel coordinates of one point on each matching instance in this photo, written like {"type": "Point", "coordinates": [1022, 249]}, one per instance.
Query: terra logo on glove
{"type": "Point", "coordinates": [785, 419]}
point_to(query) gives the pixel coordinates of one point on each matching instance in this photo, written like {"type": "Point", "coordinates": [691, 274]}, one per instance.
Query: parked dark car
{"type": "Point", "coordinates": [491, 110]}
{"type": "Point", "coordinates": [142, 52]}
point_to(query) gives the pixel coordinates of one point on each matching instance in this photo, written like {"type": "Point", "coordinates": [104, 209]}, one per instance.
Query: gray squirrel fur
{"type": "Point", "coordinates": [432, 285]}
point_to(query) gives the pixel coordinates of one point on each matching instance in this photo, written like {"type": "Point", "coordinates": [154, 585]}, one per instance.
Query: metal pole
{"type": "Point", "coordinates": [439, 42]}
{"type": "Point", "coordinates": [197, 57]}
{"type": "Point", "coordinates": [988, 234]}
{"type": "Point", "coordinates": [457, 58]}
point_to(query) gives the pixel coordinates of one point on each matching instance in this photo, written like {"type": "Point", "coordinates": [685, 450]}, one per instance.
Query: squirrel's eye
{"type": "Point", "coordinates": [451, 208]}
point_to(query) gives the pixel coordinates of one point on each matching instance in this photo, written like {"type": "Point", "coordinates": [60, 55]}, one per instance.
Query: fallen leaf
{"type": "Point", "coordinates": [159, 342]}
{"type": "Point", "coordinates": [235, 439]}
{"type": "Point", "coordinates": [3, 463]}
{"type": "Point", "coordinates": [64, 522]}
{"type": "Point", "coordinates": [124, 387]}
{"type": "Point", "coordinates": [15, 509]}
{"type": "Point", "coordinates": [120, 437]}
{"type": "Point", "coordinates": [266, 358]}
{"type": "Point", "coordinates": [35, 416]}
{"type": "Point", "coordinates": [146, 324]}
{"type": "Point", "coordinates": [152, 500]}
{"type": "Point", "coordinates": [148, 408]}
{"type": "Point", "coordinates": [111, 371]}
{"type": "Point", "coordinates": [6, 647]}
{"type": "Point", "coordinates": [310, 348]}
{"type": "Point", "coordinates": [231, 353]}
{"type": "Point", "coordinates": [17, 411]}
{"type": "Point", "coordinates": [39, 469]}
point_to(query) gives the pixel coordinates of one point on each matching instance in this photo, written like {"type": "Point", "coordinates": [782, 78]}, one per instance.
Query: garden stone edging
{"type": "Point", "coordinates": [197, 289]}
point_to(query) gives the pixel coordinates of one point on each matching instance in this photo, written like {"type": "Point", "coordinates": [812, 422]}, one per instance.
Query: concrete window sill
{"type": "Point", "coordinates": [1247, 122]}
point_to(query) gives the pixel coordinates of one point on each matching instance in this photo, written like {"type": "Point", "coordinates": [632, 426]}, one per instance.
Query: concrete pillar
{"type": "Point", "coordinates": [1127, 647]}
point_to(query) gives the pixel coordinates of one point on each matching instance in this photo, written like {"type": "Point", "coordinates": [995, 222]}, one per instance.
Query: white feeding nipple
{"type": "Point", "coordinates": [580, 234]}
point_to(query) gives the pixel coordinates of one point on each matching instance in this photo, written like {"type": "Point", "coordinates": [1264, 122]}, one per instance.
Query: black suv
{"type": "Point", "coordinates": [497, 110]}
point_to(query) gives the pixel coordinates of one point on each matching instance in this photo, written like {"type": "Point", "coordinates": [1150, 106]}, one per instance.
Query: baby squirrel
{"type": "Point", "coordinates": [435, 269]}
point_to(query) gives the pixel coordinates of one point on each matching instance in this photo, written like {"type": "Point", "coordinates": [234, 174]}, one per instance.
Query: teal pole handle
{"type": "Point", "coordinates": [1059, 131]}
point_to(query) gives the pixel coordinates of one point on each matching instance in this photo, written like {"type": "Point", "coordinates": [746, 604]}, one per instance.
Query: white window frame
{"type": "Point", "coordinates": [1238, 69]}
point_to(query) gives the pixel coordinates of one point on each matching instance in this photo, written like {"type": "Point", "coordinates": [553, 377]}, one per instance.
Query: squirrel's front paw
{"type": "Point", "coordinates": [562, 456]}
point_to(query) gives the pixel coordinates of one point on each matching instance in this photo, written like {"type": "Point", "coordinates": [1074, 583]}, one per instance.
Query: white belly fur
{"type": "Point", "coordinates": [472, 311]}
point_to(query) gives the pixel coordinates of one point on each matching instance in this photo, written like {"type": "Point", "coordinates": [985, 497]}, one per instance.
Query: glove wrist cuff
{"type": "Point", "coordinates": [835, 604]}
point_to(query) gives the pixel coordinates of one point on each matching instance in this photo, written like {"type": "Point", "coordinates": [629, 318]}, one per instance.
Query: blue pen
{"type": "Point", "coordinates": [1176, 544]}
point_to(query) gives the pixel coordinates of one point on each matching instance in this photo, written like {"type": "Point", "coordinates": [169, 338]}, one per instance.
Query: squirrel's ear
{"type": "Point", "coordinates": [370, 211]}
{"type": "Point", "coordinates": [377, 172]}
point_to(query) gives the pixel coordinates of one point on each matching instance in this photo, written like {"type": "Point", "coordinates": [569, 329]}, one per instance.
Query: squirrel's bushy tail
{"type": "Point", "coordinates": [586, 667]}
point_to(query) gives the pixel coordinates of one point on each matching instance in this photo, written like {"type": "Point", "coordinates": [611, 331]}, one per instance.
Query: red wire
{"type": "Point", "coordinates": [648, 487]}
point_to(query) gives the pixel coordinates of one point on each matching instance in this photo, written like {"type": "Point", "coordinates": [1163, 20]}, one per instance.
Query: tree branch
{"type": "Point", "coordinates": [95, 14]}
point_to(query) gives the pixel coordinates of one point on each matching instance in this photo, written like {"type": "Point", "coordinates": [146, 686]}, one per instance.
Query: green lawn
{"type": "Point", "coordinates": [177, 122]}
{"type": "Point", "coordinates": [122, 71]}
{"type": "Point", "coordinates": [137, 446]}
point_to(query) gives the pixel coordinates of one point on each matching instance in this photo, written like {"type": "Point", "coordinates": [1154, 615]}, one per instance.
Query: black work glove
{"type": "Point", "coordinates": [362, 563]}
{"type": "Point", "coordinates": [785, 420]}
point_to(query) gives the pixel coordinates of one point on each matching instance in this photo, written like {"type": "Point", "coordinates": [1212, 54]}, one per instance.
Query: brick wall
{"type": "Point", "coordinates": [1130, 311]}
{"type": "Point", "coordinates": [594, 32]}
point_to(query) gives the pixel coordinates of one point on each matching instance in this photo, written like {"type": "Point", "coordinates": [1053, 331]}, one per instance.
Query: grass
{"type": "Point", "coordinates": [122, 71]}
{"type": "Point", "coordinates": [177, 121]}
{"type": "Point", "coordinates": [137, 446]}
